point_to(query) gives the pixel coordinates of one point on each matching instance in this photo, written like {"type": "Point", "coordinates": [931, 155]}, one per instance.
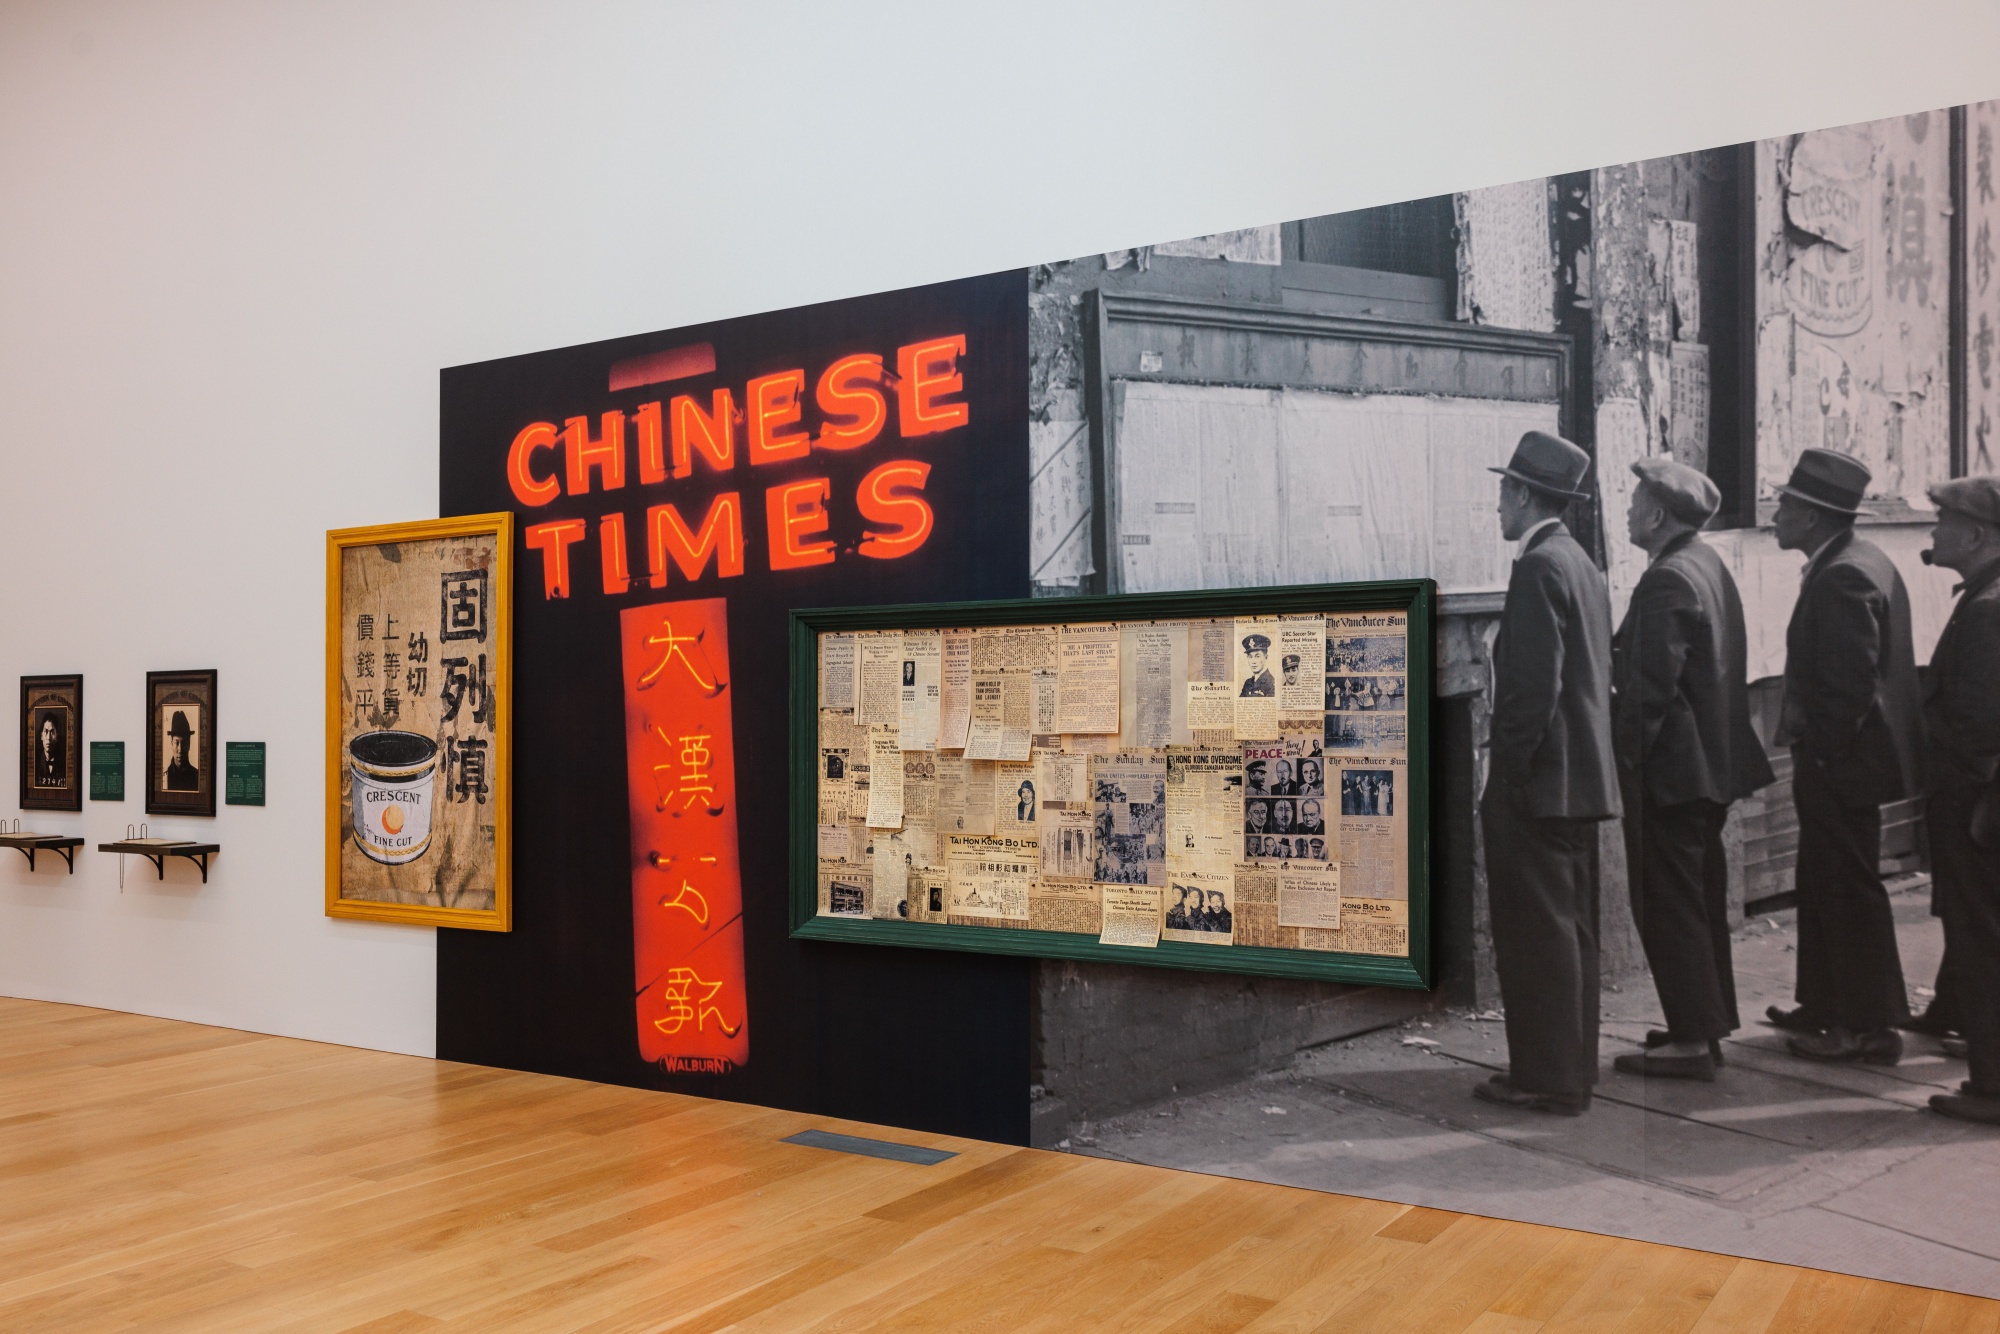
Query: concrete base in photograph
{"type": "Point", "coordinates": [1835, 1166]}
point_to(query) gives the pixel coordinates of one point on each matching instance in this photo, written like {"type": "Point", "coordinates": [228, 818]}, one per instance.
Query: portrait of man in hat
{"type": "Point", "coordinates": [1553, 778]}
{"type": "Point", "coordinates": [1853, 718]}
{"type": "Point", "coordinates": [1257, 652]}
{"type": "Point", "coordinates": [1686, 750]}
{"type": "Point", "coordinates": [1290, 666]}
{"type": "Point", "coordinates": [1962, 725]}
{"type": "Point", "coordinates": [181, 774]}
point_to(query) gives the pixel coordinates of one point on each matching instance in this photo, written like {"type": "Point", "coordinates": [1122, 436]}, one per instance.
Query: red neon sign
{"type": "Point", "coordinates": [853, 397]}
{"type": "Point", "coordinates": [691, 1006]}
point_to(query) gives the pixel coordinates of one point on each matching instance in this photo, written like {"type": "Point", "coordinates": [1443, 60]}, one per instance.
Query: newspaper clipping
{"type": "Point", "coordinates": [1199, 910]}
{"type": "Point", "coordinates": [1131, 916]}
{"type": "Point", "coordinates": [1129, 799]}
{"type": "Point", "coordinates": [990, 877]}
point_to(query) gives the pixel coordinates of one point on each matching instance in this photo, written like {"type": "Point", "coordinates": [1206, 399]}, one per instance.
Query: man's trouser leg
{"type": "Point", "coordinates": [1969, 875]}
{"type": "Point", "coordinates": [1542, 888]}
{"type": "Point", "coordinates": [1850, 973]}
{"type": "Point", "coordinates": [1673, 878]}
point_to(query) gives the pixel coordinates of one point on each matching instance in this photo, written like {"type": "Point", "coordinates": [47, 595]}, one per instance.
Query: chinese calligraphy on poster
{"type": "Point", "coordinates": [418, 675]}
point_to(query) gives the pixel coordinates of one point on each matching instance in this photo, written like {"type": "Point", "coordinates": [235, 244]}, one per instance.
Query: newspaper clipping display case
{"type": "Point", "coordinates": [1229, 780]}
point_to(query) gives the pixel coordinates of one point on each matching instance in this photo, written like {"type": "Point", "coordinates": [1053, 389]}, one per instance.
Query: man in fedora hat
{"type": "Point", "coordinates": [1553, 778]}
{"type": "Point", "coordinates": [1686, 750]}
{"type": "Point", "coordinates": [1962, 722]}
{"type": "Point", "coordinates": [182, 776]}
{"type": "Point", "coordinates": [1853, 717]}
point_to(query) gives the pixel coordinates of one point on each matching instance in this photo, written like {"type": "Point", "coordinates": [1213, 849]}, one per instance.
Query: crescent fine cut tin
{"type": "Point", "coordinates": [394, 775]}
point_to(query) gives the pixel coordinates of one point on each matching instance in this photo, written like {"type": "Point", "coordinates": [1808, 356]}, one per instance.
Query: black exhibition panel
{"type": "Point", "coordinates": [927, 1040]}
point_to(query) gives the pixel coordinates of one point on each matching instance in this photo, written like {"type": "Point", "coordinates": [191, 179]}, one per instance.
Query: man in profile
{"type": "Point", "coordinates": [50, 757]}
{"type": "Point", "coordinates": [182, 776]}
{"type": "Point", "coordinates": [1553, 777]}
{"type": "Point", "coordinates": [1257, 653]}
{"type": "Point", "coordinates": [1686, 750]}
{"type": "Point", "coordinates": [1853, 717]}
{"type": "Point", "coordinates": [1962, 723]}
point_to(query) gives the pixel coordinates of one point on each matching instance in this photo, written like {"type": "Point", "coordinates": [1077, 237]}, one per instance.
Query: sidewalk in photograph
{"type": "Point", "coordinates": [1838, 1167]}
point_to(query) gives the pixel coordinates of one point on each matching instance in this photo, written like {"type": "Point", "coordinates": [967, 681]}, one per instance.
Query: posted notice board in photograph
{"type": "Point", "coordinates": [1227, 781]}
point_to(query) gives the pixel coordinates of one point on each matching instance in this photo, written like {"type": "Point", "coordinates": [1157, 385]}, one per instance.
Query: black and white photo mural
{"type": "Point", "coordinates": [1679, 441]}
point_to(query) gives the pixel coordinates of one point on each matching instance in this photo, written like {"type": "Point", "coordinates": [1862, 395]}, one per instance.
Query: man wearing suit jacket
{"type": "Point", "coordinates": [1962, 720]}
{"type": "Point", "coordinates": [1553, 778]}
{"type": "Point", "coordinates": [1686, 750]}
{"type": "Point", "coordinates": [1853, 716]}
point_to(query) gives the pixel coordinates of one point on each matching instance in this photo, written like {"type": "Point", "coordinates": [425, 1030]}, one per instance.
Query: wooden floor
{"type": "Point", "coordinates": [160, 1175]}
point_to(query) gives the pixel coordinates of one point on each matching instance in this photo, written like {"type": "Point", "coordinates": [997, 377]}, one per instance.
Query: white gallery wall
{"type": "Point", "coordinates": [238, 240]}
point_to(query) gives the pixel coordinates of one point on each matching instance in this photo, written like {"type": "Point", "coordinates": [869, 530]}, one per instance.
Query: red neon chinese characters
{"type": "Point", "coordinates": [927, 372]}
{"type": "Point", "coordinates": [721, 537]}
{"type": "Point", "coordinates": [687, 887]}
{"type": "Point", "coordinates": [554, 540]}
{"type": "Point", "coordinates": [773, 401]}
{"type": "Point", "coordinates": [848, 389]}
{"type": "Point", "coordinates": [906, 516]}
{"type": "Point", "coordinates": [792, 513]}
{"type": "Point", "coordinates": [529, 489]}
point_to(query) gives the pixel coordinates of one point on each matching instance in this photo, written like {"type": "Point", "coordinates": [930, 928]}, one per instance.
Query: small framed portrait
{"type": "Point", "coordinates": [181, 773]}
{"type": "Point", "coordinates": [52, 777]}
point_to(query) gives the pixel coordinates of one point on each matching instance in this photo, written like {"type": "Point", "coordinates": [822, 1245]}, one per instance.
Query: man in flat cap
{"type": "Point", "coordinates": [1962, 720]}
{"type": "Point", "coordinates": [1686, 750]}
{"type": "Point", "coordinates": [1257, 651]}
{"type": "Point", "coordinates": [1853, 717]}
{"type": "Point", "coordinates": [1553, 778]}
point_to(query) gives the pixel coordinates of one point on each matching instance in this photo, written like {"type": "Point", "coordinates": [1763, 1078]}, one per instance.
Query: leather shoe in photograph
{"type": "Point", "coordinates": [1932, 1022]}
{"type": "Point", "coordinates": [1500, 1089]}
{"type": "Point", "coordinates": [1844, 1045]}
{"type": "Point", "coordinates": [1793, 1021]}
{"type": "Point", "coordinates": [1659, 1037]}
{"type": "Point", "coordinates": [1967, 1107]}
{"type": "Point", "coordinates": [1654, 1066]}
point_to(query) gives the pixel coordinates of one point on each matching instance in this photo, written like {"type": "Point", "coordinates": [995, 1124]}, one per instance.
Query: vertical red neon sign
{"type": "Point", "coordinates": [687, 884]}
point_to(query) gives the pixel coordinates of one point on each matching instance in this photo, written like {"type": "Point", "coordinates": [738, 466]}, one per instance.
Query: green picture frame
{"type": "Point", "coordinates": [1416, 598]}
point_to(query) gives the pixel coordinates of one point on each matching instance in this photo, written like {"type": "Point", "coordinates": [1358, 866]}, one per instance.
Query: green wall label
{"type": "Point", "coordinates": [107, 771]}
{"type": "Point", "coordinates": [243, 773]}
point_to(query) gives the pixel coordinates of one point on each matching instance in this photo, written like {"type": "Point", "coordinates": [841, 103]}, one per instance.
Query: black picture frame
{"type": "Point", "coordinates": [168, 693]}
{"type": "Point", "coordinates": [57, 785]}
{"type": "Point", "coordinates": [1417, 598]}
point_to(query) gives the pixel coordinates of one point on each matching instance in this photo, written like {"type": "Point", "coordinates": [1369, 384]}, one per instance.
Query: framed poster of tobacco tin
{"type": "Point", "coordinates": [181, 777]}
{"type": "Point", "coordinates": [419, 681]}
{"type": "Point", "coordinates": [52, 774]}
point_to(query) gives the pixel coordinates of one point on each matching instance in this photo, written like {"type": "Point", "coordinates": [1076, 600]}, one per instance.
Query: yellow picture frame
{"type": "Point", "coordinates": [495, 688]}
